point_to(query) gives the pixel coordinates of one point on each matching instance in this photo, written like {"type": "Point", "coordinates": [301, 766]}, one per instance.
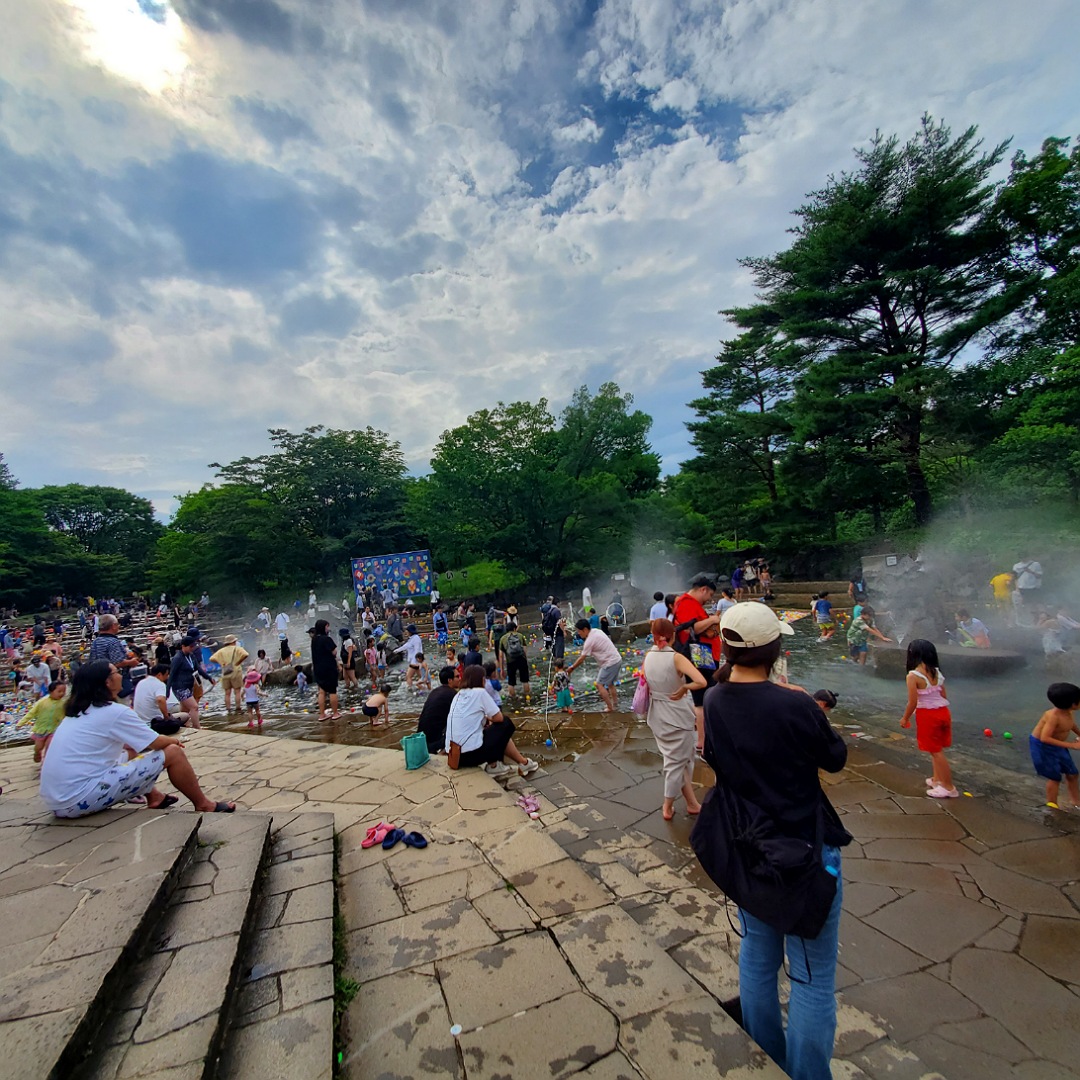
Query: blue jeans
{"type": "Point", "coordinates": [805, 1051]}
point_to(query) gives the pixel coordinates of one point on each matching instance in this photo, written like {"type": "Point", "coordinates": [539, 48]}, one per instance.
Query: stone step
{"type": "Point", "coordinates": [171, 1014]}
{"type": "Point", "coordinates": [283, 1025]}
{"type": "Point", "coordinates": [78, 901]}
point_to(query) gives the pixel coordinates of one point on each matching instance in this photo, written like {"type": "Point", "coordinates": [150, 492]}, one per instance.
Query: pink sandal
{"type": "Point", "coordinates": [376, 835]}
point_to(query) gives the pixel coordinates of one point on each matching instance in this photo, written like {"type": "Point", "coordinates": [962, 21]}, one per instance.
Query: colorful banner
{"type": "Point", "coordinates": [408, 573]}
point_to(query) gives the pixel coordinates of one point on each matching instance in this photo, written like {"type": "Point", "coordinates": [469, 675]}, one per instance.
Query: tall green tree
{"type": "Point", "coordinates": [340, 494]}
{"type": "Point", "coordinates": [103, 521]}
{"type": "Point", "coordinates": [881, 288]}
{"type": "Point", "coordinates": [7, 480]}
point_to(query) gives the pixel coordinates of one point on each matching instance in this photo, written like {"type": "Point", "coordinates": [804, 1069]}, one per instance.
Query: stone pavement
{"type": "Point", "coordinates": [587, 941]}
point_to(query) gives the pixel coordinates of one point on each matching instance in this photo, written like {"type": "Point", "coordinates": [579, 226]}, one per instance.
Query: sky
{"type": "Point", "coordinates": [223, 216]}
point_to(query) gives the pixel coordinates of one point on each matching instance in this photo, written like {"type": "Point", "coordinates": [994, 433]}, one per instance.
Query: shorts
{"type": "Point", "coordinates": [234, 680]}
{"type": "Point", "coordinates": [370, 710]}
{"type": "Point", "coordinates": [563, 699]}
{"type": "Point", "coordinates": [609, 675]}
{"type": "Point", "coordinates": [1051, 762]}
{"type": "Point", "coordinates": [823, 622]}
{"type": "Point", "coordinates": [327, 683]}
{"type": "Point", "coordinates": [120, 783]}
{"type": "Point", "coordinates": [252, 705]}
{"type": "Point", "coordinates": [442, 637]}
{"type": "Point", "coordinates": [183, 695]}
{"type": "Point", "coordinates": [857, 650]}
{"type": "Point", "coordinates": [496, 737]}
{"type": "Point", "coordinates": [517, 666]}
{"type": "Point", "coordinates": [933, 729]}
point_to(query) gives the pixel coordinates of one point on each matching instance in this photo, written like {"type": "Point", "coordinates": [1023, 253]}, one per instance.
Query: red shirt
{"type": "Point", "coordinates": [687, 608]}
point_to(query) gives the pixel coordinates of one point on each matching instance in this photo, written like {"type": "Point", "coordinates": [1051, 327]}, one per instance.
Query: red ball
{"type": "Point", "coordinates": [987, 732]}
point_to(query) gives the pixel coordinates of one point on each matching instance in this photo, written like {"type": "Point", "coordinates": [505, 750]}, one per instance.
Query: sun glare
{"type": "Point", "coordinates": [142, 43]}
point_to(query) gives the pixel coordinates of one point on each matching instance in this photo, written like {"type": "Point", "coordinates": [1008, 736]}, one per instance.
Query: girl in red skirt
{"type": "Point", "coordinates": [933, 721]}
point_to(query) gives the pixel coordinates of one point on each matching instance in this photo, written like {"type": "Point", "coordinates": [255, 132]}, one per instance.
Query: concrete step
{"type": "Point", "coordinates": [171, 1014]}
{"type": "Point", "coordinates": [78, 901]}
{"type": "Point", "coordinates": [283, 1025]}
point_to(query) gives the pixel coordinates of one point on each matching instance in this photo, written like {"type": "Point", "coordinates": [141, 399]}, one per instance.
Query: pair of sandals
{"type": "Point", "coordinates": [172, 800]}
{"type": "Point", "coordinates": [530, 804]}
{"type": "Point", "coordinates": [389, 835]}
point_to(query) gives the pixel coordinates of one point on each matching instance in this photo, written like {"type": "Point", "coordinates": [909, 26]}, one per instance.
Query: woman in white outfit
{"type": "Point", "coordinates": [671, 714]}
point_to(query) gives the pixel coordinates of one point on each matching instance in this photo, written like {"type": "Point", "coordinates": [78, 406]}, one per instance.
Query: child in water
{"type": "Point", "coordinates": [560, 687]}
{"type": "Point", "coordinates": [822, 609]}
{"type": "Point", "coordinates": [251, 696]}
{"type": "Point", "coordinates": [424, 670]}
{"type": "Point", "coordinates": [301, 679]}
{"type": "Point", "coordinates": [1049, 744]}
{"type": "Point", "coordinates": [377, 703]}
{"type": "Point", "coordinates": [933, 721]}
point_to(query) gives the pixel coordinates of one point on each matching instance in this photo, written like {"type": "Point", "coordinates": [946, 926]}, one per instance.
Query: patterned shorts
{"type": "Point", "coordinates": [183, 695]}
{"type": "Point", "coordinates": [120, 783]}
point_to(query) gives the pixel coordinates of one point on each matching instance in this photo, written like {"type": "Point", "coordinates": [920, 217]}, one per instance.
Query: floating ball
{"type": "Point", "coordinates": [1006, 735]}
{"type": "Point", "coordinates": [987, 732]}
{"type": "Point", "coordinates": [548, 742]}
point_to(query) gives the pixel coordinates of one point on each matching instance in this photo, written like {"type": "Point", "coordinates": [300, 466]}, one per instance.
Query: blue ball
{"type": "Point", "coordinates": [548, 743]}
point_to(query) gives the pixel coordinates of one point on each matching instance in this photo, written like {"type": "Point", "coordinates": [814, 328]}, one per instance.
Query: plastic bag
{"type": "Point", "coordinates": [416, 751]}
{"type": "Point", "coordinates": [640, 703]}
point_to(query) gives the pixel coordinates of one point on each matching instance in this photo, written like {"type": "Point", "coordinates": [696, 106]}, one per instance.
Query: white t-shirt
{"type": "Point", "coordinates": [1028, 575]}
{"type": "Point", "coordinates": [282, 622]}
{"type": "Point", "coordinates": [412, 648]}
{"type": "Point", "coordinates": [723, 604]}
{"type": "Point", "coordinates": [657, 611]}
{"type": "Point", "coordinates": [39, 673]}
{"type": "Point", "coordinates": [85, 747]}
{"type": "Point", "coordinates": [601, 648]}
{"type": "Point", "coordinates": [147, 692]}
{"type": "Point", "coordinates": [465, 721]}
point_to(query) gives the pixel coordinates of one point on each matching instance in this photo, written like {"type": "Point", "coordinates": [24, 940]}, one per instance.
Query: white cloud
{"type": "Point", "coordinates": [482, 206]}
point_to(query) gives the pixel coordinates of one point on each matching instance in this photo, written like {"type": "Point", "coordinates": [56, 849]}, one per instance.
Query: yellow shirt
{"type": "Point", "coordinates": [1002, 584]}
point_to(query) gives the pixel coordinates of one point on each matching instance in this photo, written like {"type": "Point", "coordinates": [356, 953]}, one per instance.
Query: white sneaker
{"type": "Point", "coordinates": [529, 767]}
{"type": "Point", "coordinates": [497, 768]}
{"type": "Point", "coordinates": [943, 793]}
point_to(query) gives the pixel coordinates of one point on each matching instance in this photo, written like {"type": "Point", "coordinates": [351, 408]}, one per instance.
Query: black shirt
{"type": "Point", "coordinates": [473, 657]}
{"type": "Point", "coordinates": [768, 743]}
{"type": "Point", "coordinates": [433, 716]}
{"type": "Point", "coordinates": [323, 656]}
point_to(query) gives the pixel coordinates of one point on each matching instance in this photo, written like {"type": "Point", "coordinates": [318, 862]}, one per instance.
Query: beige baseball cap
{"type": "Point", "coordinates": [751, 624]}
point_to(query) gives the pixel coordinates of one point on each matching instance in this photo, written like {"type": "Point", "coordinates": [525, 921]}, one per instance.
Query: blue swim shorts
{"type": "Point", "coordinates": [1051, 762]}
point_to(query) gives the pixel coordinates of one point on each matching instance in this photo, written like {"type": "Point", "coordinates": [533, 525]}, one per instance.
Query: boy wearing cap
{"type": "Point", "coordinates": [690, 608]}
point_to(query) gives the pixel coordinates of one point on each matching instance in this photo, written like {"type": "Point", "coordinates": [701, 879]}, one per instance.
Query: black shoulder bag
{"type": "Point", "coordinates": [779, 879]}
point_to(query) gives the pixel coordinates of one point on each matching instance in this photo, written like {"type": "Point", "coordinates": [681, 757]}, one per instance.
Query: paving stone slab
{"type": "Point", "coordinates": [398, 1026]}
{"type": "Point", "coordinates": [911, 1005]}
{"type": "Point", "coordinates": [504, 911]}
{"type": "Point", "coordinates": [958, 1062]}
{"type": "Point", "coordinates": [559, 889]}
{"type": "Point", "coordinates": [417, 939]}
{"type": "Point", "coordinates": [1053, 946]}
{"type": "Point", "coordinates": [935, 926]}
{"type": "Point", "coordinates": [1055, 860]}
{"type": "Point", "coordinates": [872, 954]}
{"type": "Point", "coordinates": [624, 969]}
{"type": "Point", "coordinates": [984, 1034]}
{"type": "Point", "coordinates": [900, 875]}
{"type": "Point", "coordinates": [368, 897]}
{"type": "Point", "coordinates": [1033, 1007]}
{"type": "Point", "coordinates": [298, 1043]}
{"type": "Point", "coordinates": [937, 852]}
{"type": "Point", "coordinates": [522, 1045]}
{"type": "Point", "coordinates": [694, 1037]}
{"type": "Point", "coordinates": [992, 826]}
{"type": "Point", "coordinates": [524, 847]}
{"type": "Point", "coordinates": [713, 960]}
{"type": "Point", "coordinates": [465, 884]}
{"type": "Point", "coordinates": [905, 826]}
{"type": "Point", "coordinates": [494, 982]}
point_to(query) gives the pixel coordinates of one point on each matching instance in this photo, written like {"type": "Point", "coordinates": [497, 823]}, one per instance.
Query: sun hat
{"type": "Point", "coordinates": [230, 640]}
{"type": "Point", "coordinates": [511, 610]}
{"type": "Point", "coordinates": [251, 677]}
{"type": "Point", "coordinates": [750, 624]}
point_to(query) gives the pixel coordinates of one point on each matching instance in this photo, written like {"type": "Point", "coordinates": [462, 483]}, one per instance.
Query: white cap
{"type": "Point", "coordinates": [751, 624]}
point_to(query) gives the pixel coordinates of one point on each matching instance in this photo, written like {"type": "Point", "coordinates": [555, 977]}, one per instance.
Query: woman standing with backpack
{"type": "Point", "coordinates": [512, 647]}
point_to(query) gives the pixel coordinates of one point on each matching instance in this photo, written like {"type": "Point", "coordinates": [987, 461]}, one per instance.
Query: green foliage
{"type": "Point", "coordinates": [478, 579]}
{"type": "Point", "coordinates": [544, 498]}
{"type": "Point", "coordinates": [7, 481]}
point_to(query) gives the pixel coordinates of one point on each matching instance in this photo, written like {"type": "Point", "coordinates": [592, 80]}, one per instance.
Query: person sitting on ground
{"type": "Point", "coordinates": [45, 716]}
{"type": "Point", "coordinates": [432, 721]}
{"type": "Point", "coordinates": [478, 726]}
{"type": "Point", "coordinates": [972, 631]}
{"type": "Point", "coordinates": [1049, 743]}
{"type": "Point", "coordinates": [84, 772]}
{"type": "Point", "coordinates": [154, 705]}
{"type": "Point", "coordinates": [378, 702]}
{"type": "Point", "coordinates": [602, 649]}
